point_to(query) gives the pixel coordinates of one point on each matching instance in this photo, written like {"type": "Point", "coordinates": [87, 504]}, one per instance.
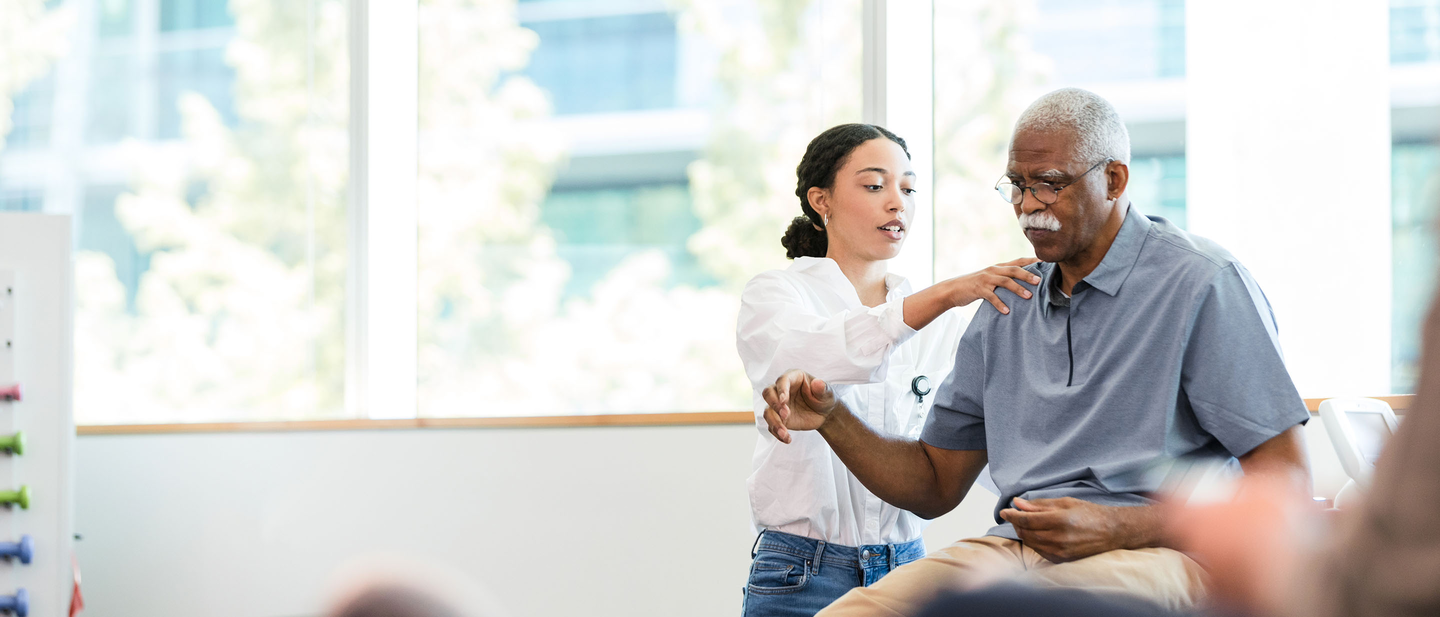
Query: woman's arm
{"type": "Point", "coordinates": [930, 303]}
{"type": "Point", "coordinates": [777, 331]}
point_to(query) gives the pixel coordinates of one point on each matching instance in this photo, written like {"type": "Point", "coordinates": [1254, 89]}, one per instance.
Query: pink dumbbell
{"type": "Point", "coordinates": [10, 393]}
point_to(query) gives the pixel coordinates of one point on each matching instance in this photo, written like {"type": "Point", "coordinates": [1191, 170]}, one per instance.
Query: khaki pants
{"type": "Point", "coordinates": [1164, 576]}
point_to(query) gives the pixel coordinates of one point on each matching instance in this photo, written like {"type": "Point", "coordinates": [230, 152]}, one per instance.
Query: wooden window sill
{"type": "Point", "coordinates": [1398, 402]}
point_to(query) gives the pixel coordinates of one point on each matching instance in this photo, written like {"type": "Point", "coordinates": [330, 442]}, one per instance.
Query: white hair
{"type": "Point", "coordinates": [1099, 133]}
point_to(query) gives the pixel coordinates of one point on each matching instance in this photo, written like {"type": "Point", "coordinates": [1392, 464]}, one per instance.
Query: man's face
{"type": "Point", "coordinates": [1082, 207]}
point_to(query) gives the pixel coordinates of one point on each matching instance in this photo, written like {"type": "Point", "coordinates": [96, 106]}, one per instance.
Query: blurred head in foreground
{"type": "Point", "coordinates": [394, 600]}
{"type": "Point", "coordinates": [400, 587]}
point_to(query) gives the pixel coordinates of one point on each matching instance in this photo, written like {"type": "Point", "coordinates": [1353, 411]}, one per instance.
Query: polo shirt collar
{"type": "Point", "coordinates": [1115, 267]}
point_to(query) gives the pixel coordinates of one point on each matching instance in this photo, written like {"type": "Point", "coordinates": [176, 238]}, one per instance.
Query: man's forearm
{"type": "Point", "coordinates": [1282, 457]}
{"type": "Point", "coordinates": [897, 470]}
{"type": "Point", "coordinates": [1143, 527]}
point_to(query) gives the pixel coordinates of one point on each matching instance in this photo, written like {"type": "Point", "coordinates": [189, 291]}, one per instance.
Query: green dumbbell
{"type": "Point", "coordinates": [14, 443]}
{"type": "Point", "coordinates": [20, 497]}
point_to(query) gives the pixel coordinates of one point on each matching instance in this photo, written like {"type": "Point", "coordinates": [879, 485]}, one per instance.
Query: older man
{"type": "Point", "coordinates": [1142, 343]}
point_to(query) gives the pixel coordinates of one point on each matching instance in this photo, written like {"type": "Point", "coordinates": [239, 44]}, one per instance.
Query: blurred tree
{"type": "Point", "coordinates": [496, 337]}
{"type": "Point", "coordinates": [985, 71]}
{"type": "Point", "coordinates": [31, 37]}
{"type": "Point", "coordinates": [770, 107]}
{"type": "Point", "coordinates": [489, 276]}
{"type": "Point", "coordinates": [241, 313]}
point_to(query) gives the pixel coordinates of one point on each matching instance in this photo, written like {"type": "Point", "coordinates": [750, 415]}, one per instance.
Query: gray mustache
{"type": "Point", "coordinates": [1039, 220]}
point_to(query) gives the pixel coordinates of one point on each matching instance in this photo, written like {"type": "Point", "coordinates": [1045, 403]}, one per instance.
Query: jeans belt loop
{"type": "Point", "coordinates": [755, 548]}
{"type": "Point", "coordinates": [819, 552]}
{"type": "Point", "coordinates": [891, 557]}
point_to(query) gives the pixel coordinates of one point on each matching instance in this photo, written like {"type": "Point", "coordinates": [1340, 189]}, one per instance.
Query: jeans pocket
{"type": "Point", "coordinates": [774, 575]}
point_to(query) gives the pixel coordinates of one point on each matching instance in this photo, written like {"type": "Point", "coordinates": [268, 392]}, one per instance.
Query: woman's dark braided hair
{"type": "Point", "coordinates": [823, 158]}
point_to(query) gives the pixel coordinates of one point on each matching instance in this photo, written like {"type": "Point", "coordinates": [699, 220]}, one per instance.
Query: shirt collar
{"type": "Point", "coordinates": [826, 269]}
{"type": "Point", "coordinates": [1115, 267]}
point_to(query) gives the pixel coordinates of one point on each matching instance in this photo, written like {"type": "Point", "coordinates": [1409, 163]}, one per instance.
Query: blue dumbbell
{"type": "Point", "coordinates": [18, 603]}
{"type": "Point", "coordinates": [23, 550]}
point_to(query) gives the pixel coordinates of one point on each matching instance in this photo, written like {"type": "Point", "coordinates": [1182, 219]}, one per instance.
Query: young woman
{"type": "Point", "coordinates": [837, 314]}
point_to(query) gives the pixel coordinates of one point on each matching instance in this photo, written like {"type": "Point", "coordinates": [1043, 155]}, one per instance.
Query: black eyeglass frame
{"type": "Point", "coordinates": [1016, 197]}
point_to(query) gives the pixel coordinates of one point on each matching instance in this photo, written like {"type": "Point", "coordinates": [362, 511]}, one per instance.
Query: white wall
{"type": "Point", "coordinates": [594, 522]}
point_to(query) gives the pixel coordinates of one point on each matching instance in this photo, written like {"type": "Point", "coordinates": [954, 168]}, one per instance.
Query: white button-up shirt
{"type": "Point", "coordinates": [809, 317]}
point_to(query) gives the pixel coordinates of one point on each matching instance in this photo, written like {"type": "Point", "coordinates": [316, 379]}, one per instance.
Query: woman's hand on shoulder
{"type": "Point", "coordinates": [983, 284]}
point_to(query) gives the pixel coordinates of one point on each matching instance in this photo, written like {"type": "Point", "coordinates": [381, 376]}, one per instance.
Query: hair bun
{"type": "Point", "coordinates": [802, 239]}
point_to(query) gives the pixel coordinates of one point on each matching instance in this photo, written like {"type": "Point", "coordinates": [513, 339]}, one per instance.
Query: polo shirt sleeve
{"type": "Point", "coordinates": [957, 420]}
{"type": "Point", "coordinates": [1233, 374]}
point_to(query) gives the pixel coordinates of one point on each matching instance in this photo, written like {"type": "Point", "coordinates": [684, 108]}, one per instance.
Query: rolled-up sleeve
{"type": "Point", "coordinates": [957, 420]}
{"type": "Point", "coordinates": [777, 332]}
{"type": "Point", "coordinates": [1233, 373]}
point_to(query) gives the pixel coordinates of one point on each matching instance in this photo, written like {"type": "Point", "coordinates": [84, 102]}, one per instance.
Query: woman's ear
{"type": "Point", "coordinates": [819, 200]}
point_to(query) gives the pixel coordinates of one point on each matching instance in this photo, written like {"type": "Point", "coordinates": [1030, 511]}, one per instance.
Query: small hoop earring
{"type": "Point", "coordinates": [825, 218]}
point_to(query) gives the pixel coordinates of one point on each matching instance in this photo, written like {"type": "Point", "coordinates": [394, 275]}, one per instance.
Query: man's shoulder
{"type": "Point", "coordinates": [987, 314]}
{"type": "Point", "coordinates": [1182, 255]}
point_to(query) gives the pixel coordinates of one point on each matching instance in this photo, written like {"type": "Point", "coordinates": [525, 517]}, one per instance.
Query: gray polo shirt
{"type": "Point", "coordinates": [1167, 349]}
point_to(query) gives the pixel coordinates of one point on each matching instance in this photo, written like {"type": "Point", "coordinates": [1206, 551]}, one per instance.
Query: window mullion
{"type": "Point", "coordinates": [898, 75]}
{"type": "Point", "coordinates": [381, 294]}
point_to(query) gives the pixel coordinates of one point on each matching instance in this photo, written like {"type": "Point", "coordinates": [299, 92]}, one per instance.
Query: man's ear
{"type": "Point", "coordinates": [1117, 177]}
{"type": "Point", "coordinates": [819, 200]}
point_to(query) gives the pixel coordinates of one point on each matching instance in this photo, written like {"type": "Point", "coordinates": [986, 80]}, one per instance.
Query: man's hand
{"type": "Point", "coordinates": [1067, 529]}
{"type": "Point", "coordinates": [799, 402]}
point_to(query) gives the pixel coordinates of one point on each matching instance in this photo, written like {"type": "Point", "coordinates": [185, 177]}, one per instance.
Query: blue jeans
{"type": "Point", "coordinates": [792, 576]}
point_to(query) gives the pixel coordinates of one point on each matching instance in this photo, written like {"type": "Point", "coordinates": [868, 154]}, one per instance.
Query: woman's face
{"type": "Point", "coordinates": [871, 203]}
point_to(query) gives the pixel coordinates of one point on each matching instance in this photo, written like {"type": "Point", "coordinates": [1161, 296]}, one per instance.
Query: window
{"type": "Point", "coordinates": [998, 57]}
{"type": "Point", "coordinates": [180, 15]}
{"type": "Point", "coordinates": [605, 63]}
{"type": "Point", "coordinates": [589, 259]}
{"type": "Point", "coordinates": [1133, 52]}
{"type": "Point", "coordinates": [30, 116]}
{"type": "Point", "coordinates": [1414, 178]}
{"type": "Point", "coordinates": [206, 176]}
{"type": "Point", "coordinates": [20, 200]}
{"type": "Point", "coordinates": [1414, 31]}
{"type": "Point", "coordinates": [595, 181]}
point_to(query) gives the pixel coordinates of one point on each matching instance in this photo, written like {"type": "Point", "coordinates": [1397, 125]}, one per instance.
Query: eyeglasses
{"type": "Point", "coordinates": [1045, 192]}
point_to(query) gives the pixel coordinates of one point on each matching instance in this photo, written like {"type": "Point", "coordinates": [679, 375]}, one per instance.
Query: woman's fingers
{"type": "Point", "coordinates": [995, 300]}
{"type": "Point", "coordinates": [1019, 274]}
{"type": "Point", "coordinates": [1010, 284]}
{"type": "Point", "coordinates": [1023, 261]}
